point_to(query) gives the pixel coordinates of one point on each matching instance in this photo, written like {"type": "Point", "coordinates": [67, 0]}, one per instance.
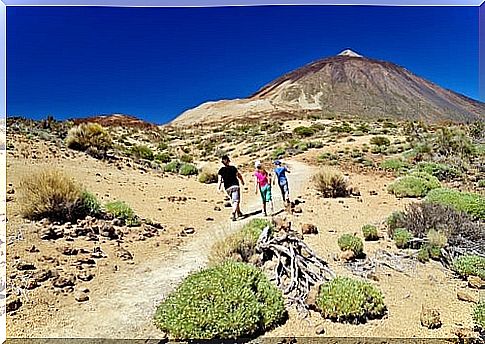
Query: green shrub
{"type": "Point", "coordinates": [228, 301]}
{"type": "Point", "coordinates": [479, 315]}
{"type": "Point", "coordinates": [163, 157]}
{"type": "Point", "coordinates": [331, 183]}
{"type": "Point", "coordinates": [188, 170]}
{"type": "Point", "coordinates": [304, 131]}
{"type": "Point", "coordinates": [469, 265]}
{"type": "Point", "coordinates": [172, 167]}
{"type": "Point", "coordinates": [162, 146]}
{"type": "Point", "coordinates": [50, 194]}
{"type": "Point", "coordinates": [187, 158]}
{"type": "Point", "coordinates": [370, 232]}
{"type": "Point", "coordinates": [380, 141]}
{"type": "Point", "coordinates": [417, 184]}
{"type": "Point", "coordinates": [142, 152]}
{"type": "Point", "coordinates": [423, 254]}
{"type": "Point", "coordinates": [343, 128]}
{"type": "Point", "coordinates": [394, 165]}
{"type": "Point", "coordinates": [122, 211]}
{"type": "Point", "coordinates": [440, 171]}
{"type": "Point", "coordinates": [239, 246]}
{"type": "Point", "coordinates": [481, 183]}
{"type": "Point", "coordinates": [345, 299]}
{"type": "Point", "coordinates": [90, 204]}
{"type": "Point", "coordinates": [402, 237]}
{"type": "Point", "coordinates": [471, 203]}
{"type": "Point", "coordinates": [208, 177]}
{"type": "Point", "coordinates": [351, 242]}
{"type": "Point", "coordinates": [88, 135]}
{"type": "Point", "coordinates": [278, 153]}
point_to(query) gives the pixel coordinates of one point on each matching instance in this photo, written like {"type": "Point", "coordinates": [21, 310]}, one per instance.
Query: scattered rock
{"type": "Point", "coordinates": [475, 282]}
{"type": "Point", "coordinates": [42, 275]}
{"type": "Point", "coordinates": [227, 205]}
{"type": "Point", "coordinates": [373, 193]}
{"type": "Point", "coordinates": [216, 208]}
{"type": "Point", "coordinates": [31, 284]}
{"type": "Point", "coordinates": [81, 297]}
{"type": "Point", "coordinates": [347, 255]}
{"type": "Point", "coordinates": [13, 303]}
{"type": "Point", "coordinates": [64, 281]}
{"type": "Point", "coordinates": [209, 219]}
{"type": "Point", "coordinates": [32, 249]}
{"type": "Point", "coordinates": [281, 223]}
{"type": "Point", "coordinates": [68, 251]}
{"type": "Point", "coordinates": [464, 296]}
{"type": "Point", "coordinates": [85, 276]}
{"type": "Point", "coordinates": [297, 210]}
{"type": "Point", "coordinates": [124, 254]}
{"type": "Point", "coordinates": [430, 318]}
{"type": "Point", "coordinates": [83, 289]}
{"type": "Point", "coordinates": [51, 233]}
{"type": "Point", "coordinates": [189, 230]}
{"type": "Point", "coordinates": [255, 259]}
{"type": "Point", "coordinates": [308, 228]}
{"type": "Point", "coordinates": [464, 333]}
{"type": "Point", "coordinates": [312, 296]}
{"type": "Point", "coordinates": [22, 266]}
{"type": "Point", "coordinates": [319, 330]}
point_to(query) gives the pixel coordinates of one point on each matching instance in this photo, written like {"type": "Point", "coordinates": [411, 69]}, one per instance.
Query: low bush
{"type": "Point", "coordinates": [395, 165]}
{"type": "Point", "coordinates": [437, 238]}
{"type": "Point", "coordinates": [470, 203]}
{"type": "Point", "coordinates": [417, 184]}
{"type": "Point", "coordinates": [331, 183]}
{"type": "Point", "coordinates": [187, 158]}
{"type": "Point", "coordinates": [172, 167]}
{"type": "Point", "coordinates": [423, 254]}
{"type": "Point", "coordinates": [402, 237]}
{"type": "Point", "coordinates": [304, 131]}
{"type": "Point", "coordinates": [122, 211]}
{"type": "Point", "coordinates": [394, 221]}
{"type": "Point", "coordinates": [440, 171]}
{"type": "Point", "coordinates": [278, 153]}
{"type": "Point", "coordinates": [228, 301]}
{"type": "Point", "coordinates": [348, 300]}
{"type": "Point", "coordinates": [352, 243]}
{"type": "Point", "coordinates": [469, 265]}
{"type": "Point", "coordinates": [208, 177]}
{"type": "Point", "coordinates": [90, 136]}
{"type": "Point", "coordinates": [239, 246]}
{"type": "Point", "coordinates": [50, 194]}
{"type": "Point", "coordinates": [380, 141]}
{"type": "Point", "coordinates": [370, 232]}
{"type": "Point", "coordinates": [90, 205]}
{"type": "Point", "coordinates": [163, 157]}
{"type": "Point", "coordinates": [142, 152]}
{"type": "Point", "coordinates": [479, 315]}
{"type": "Point", "coordinates": [188, 170]}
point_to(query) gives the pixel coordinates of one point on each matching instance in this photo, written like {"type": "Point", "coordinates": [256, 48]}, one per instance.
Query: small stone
{"type": "Point", "coordinates": [347, 255]}
{"type": "Point", "coordinates": [22, 266]}
{"type": "Point", "coordinates": [189, 230]}
{"type": "Point", "coordinates": [209, 219]}
{"type": "Point", "coordinates": [42, 275]}
{"type": "Point", "coordinates": [227, 205]}
{"type": "Point", "coordinates": [311, 298]}
{"type": "Point", "coordinates": [319, 330]}
{"type": "Point", "coordinates": [68, 251]}
{"type": "Point", "coordinates": [308, 228]}
{"type": "Point", "coordinates": [430, 318]}
{"type": "Point", "coordinates": [464, 296]}
{"type": "Point", "coordinates": [64, 281]}
{"type": "Point", "coordinates": [216, 208]}
{"type": "Point", "coordinates": [13, 303]}
{"type": "Point", "coordinates": [32, 249]}
{"type": "Point", "coordinates": [475, 282]}
{"type": "Point", "coordinates": [85, 276]}
{"type": "Point", "coordinates": [124, 254]}
{"type": "Point", "coordinates": [83, 289]}
{"type": "Point", "coordinates": [297, 210]}
{"type": "Point", "coordinates": [81, 297]}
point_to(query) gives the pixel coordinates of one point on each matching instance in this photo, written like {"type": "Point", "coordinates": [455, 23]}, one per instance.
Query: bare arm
{"type": "Point", "coordinates": [240, 178]}
{"type": "Point", "coordinates": [219, 183]}
{"type": "Point", "coordinates": [256, 185]}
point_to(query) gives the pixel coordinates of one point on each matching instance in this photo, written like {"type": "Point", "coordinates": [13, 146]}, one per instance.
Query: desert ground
{"type": "Point", "coordinates": [122, 293]}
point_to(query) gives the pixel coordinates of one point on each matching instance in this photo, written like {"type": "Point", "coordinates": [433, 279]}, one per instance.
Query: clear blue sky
{"type": "Point", "coordinates": [155, 63]}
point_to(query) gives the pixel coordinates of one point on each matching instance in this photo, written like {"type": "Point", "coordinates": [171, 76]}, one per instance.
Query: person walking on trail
{"type": "Point", "coordinates": [263, 183]}
{"type": "Point", "coordinates": [280, 174]}
{"type": "Point", "coordinates": [230, 177]}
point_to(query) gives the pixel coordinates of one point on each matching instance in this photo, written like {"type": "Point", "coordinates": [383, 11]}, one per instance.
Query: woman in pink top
{"type": "Point", "coordinates": [263, 183]}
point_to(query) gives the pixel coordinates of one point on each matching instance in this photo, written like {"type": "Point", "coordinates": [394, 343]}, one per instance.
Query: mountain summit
{"type": "Point", "coordinates": [347, 84]}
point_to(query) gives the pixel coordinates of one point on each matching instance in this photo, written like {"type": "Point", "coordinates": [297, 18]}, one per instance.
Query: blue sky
{"type": "Point", "coordinates": [155, 63]}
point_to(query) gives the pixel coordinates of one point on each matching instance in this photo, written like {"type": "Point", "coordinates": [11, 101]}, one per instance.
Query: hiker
{"type": "Point", "coordinates": [229, 175]}
{"type": "Point", "coordinates": [280, 174]}
{"type": "Point", "coordinates": [263, 183]}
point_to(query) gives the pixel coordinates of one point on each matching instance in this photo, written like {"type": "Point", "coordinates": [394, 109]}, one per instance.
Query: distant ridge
{"type": "Point", "coordinates": [116, 120]}
{"type": "Point", "coordinates": [347, 84]}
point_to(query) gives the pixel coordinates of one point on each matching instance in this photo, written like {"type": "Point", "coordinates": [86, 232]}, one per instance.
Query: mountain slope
{"type": "Point", "coordinates": [347, 84]}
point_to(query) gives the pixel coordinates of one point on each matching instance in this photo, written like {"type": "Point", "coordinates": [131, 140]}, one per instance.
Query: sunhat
{"type": "Point", "coordinates": [257, 164]}
{"type": "Point", "coordinates": [277, 162]}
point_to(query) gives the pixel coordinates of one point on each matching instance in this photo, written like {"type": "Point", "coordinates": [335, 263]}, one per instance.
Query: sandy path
{"type": "Point", "coordinates": [128, 310]}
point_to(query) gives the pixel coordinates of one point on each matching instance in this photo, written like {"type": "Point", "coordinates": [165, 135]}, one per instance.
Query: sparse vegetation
{"type": "Point", "coordinates": [122, 211]}
{"type": "Point", "coordinates": [352, 243]}
{"type": "Point", "coordinates": [479, 315]}
{"type": "Point", "coordinates": [230, 300]}
{"type": "Point", "coordinates": [417, 184]}
{"type": "Point", "coordinates": [207, 176]}
{"type": "Point", "coordinates": [440, 171]}
{"type": "Point", "coordinates": [163, 157]}
{"type": "Point", "coordinates": [471, 203]}
{"type": "Point", "coordinates": [239, 246]}
{"type": "Point", "coordinates": [380, 141]}
{"type": "Point", "coordinates": [469, 265]}
{"type": "Point", "coordinates": [188, 170]}
{"type": "Point", "coordinates": [52, 194]}
{"type": "Point", "coordinates": [348, 300]}
{"type": "Point", "coordinates": [142, 152]}
{"type": "Point", "coordinates": [331, 183]}
{"type": "Point", "coordinates": [393, 164]}
{"type": "Point", "coordinates": [370, 232]}
{"type": "Point", "coordinates": [402, 237]}
{"type": "Point", "coordinates": [187, 158]}
{"type": "Point", "coordinates": [304, 131]}
{"type": "Point", "coordinates": [90, 137]}
{"type": "Point", "coordinates": [172, 167]}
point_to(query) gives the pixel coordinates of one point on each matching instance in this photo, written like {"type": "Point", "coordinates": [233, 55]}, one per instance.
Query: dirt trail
{"type": "Point", "coordinates": [128, 308]}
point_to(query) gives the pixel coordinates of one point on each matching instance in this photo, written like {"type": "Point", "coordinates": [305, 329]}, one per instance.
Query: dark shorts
{"type": "Point", "coordinates": [285, 190]}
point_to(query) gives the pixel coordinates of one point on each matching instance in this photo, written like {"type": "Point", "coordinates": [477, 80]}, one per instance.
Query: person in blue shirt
{"type": "Point", "coordinates": [280, 173]}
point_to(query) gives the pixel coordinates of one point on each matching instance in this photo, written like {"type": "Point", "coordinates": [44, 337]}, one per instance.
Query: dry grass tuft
{"type": "Point", "coordinates": [331, 183]}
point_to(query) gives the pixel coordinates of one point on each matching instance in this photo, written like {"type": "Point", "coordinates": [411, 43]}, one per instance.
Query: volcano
{"type": "Point", "coordinates": [345, 85]}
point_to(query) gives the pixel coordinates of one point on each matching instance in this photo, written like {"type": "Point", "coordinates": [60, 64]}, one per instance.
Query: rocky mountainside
{"type": "Point", "coordinates": [344, 85]}
{"type": "Point", "coordinates": [116, 120]}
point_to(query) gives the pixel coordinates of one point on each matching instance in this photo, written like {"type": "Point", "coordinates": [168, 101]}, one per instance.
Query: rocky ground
{"type": "Point", "coordinates": [103, 278]}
